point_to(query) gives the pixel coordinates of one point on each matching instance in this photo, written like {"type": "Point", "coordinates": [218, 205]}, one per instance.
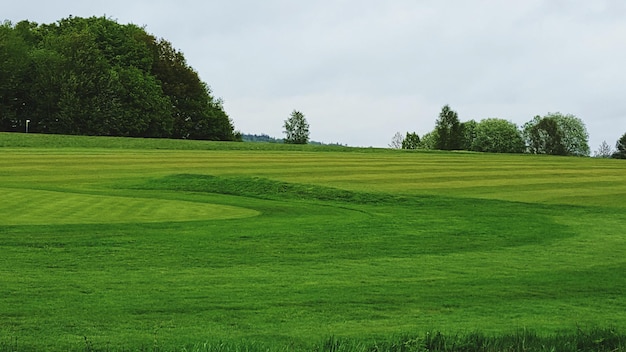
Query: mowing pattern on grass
{"type": "Point", "coordinates": [264, 188]}
{"type": "Point", "coordinates": [37, 207]}
{"type": "Point", "coordinates": [363, 246]}
{"type": "Point", "coordinates": [447, 232]}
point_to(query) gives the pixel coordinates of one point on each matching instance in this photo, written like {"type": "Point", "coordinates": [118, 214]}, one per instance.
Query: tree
{"type": "Point", "coordinates": [197, 114]}
{"type": "Point", "coordinates": [604, 151]}
{"type": "Point", "coordinates": [575, 136]}
{"type": "Point", "coordinates": [296, 129]}
{"type": "Point", "coordinates": [93, 76]}
{"type": "Point", "coordinates": [411, 141]}
{"type": "Point", "coordinates": [497, 136]}
{"type": "Point", "coordinates": [148, 111]}
{"type": "Point", "coordinates": [448, 127]}
{"type": "Point", "coordinates": [13, 59]}
{"type": "Point", "coordinates": [556, 134]}
{"type": "Point", "coordinates": [396, 141]}
{"type": "Point", "coordinates": [468, 129]}
{"type": "Point", "coordinates": [429, 140]}
{"type": "Point", "coordinates": [620, 153]}
{"type": "Point", "coordinates": [543, 136]}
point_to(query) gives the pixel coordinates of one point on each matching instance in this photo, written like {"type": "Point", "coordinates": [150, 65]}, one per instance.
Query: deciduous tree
{"type": "Point", "coordinates": [497, 136]}
{"type": "Point", "coordinates": [429, 140]}
{"type": "Point", "coordinates": [94, 76]}
{"type": "Point", "coordinates": [448, 127]}
{"type": "Point", "coordinates": [296, 129]}
{"type": "Point", "coordinates": [556, 134]}
{"type": "Point", "coordinates": [396, 141]}
{"type": "Point", "coordinates": [604, 151]}
{"type": "Point", "coordinates": [411, 141]}
{"type": "Point", "coordinates": [13, 66]}
{"type": "Point", "coordinates": [468, 129]}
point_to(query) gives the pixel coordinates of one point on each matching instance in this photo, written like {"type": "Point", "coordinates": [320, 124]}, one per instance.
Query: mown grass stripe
{"type": "Point", "coordinates": [38, 207]}
{"type": "Point", "coordinates": [364, 245]}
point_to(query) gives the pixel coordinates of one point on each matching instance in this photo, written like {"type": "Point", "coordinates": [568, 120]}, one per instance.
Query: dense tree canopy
{"type": "Point", "coordinates": [449, 132]}
{"type": "Point", "coordinates": [93, 76]}
{"type": "Point", "coordinates": [554, 134]}
{"type": "Point", "coordinates": [429, 140]}
{"type": "Point", "coordinates": [557, 134]}
{"type": "Point", "coordinates": [411, 141]}
{"type": "Point", "coordinates": [468, 130]}
{"type": "Point", "coordinates": [497, 136]}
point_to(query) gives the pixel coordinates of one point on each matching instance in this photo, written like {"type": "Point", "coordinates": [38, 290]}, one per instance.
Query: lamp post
{"type": "Point", "coordinates": [27, 122]}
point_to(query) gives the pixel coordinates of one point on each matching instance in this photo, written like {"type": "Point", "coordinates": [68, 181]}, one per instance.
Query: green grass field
{"type": "Point", "coordinates": [130, 244]}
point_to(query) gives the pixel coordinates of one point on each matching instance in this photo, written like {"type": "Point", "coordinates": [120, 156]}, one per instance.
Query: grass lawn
{"type": "Point", "coordinates": [130, 244]}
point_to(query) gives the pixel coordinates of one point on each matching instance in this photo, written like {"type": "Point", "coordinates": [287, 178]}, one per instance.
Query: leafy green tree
{"type": "Point", "coordinates": [88, 104]}
{"type": "Point", "coordinates": [557, 134]}
{"type": "Point", "coordinates": [411, 141]}
{"type": "Point", "coordinates": [148, 112]}
{"type": "Point", "coordinates": [468, 129]}
{"type": "Point", "coordinates": [197, 114]}
{"type": "Point", "coordinates": [497, 136]}
{"type": "Point", "coordinates": [575, 135]}
{"type": "Point", "coordinates": [620, 153]}
{"type": "Point", "coordinates": [94, 76]}
{"type": "Point", "coordinates": [13, 59]}
{"type": "Point", "coordinates": [43, 89]}
{"type": "Point", "coordinates": [429, 140]}
{"type": "Point", "coordinates": [448, 127]}
{"type": "Point", "coordinates": [296, 129]}
{"type": "Point", "coordinates": [542, 136]}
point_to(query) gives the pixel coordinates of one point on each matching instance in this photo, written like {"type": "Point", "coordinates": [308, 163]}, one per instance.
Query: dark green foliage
{"type": "Point", "coordinates": [469, 134]}
{"type": "Point", "coordinates": [411, 141]}
{"type": "Point", "coordinates": [544, 137]}
{"type": "Point", "coordinates": [197, 115]}
{"type": "Point", "coordinates": [449, 132]}
{"type": "Point", "coordinates": [93, 76]}
{"type": "Point", "coordinates": [296, 129]}
{"type": "Point", "coordinates": [557, 134]}
{"type": "Point", "coordinates": [620, 153]}
{"type": "Point", "coordinates": [13, 49]}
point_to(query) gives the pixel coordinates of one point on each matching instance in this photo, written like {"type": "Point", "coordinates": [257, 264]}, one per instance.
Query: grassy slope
{"type": "Point", "coordinates": [128, 241]}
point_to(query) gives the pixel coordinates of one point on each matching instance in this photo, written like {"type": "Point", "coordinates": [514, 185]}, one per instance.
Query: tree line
{"type": "Point", "coordinates": [553, 134]}
{"type": "Point", "coordinates": [94, 76]}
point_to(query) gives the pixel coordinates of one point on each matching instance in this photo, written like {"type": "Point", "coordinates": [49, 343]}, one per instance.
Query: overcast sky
{"type": "Point", "coordinates": [362, 70]}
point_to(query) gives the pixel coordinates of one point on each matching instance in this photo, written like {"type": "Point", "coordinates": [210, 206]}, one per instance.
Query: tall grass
{"type": "Point", "coordinates": [581, 340]}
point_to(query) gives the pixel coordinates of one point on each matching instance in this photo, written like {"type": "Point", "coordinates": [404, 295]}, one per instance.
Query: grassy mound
{"type": "Point", "coordinates": [264, 188]}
